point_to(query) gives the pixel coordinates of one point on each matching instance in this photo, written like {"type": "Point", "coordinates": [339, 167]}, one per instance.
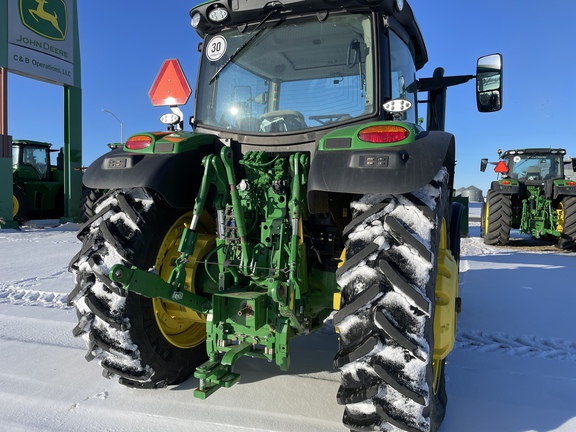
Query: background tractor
{"type": "Point", "coordinates": [532, 195]}
{"type": "Point", "coordinates": [38, 186]}
{"type": "Point", "coordinates": [306, 191]}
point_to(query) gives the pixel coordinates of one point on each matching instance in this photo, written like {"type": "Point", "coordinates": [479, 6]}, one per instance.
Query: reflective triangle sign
{"type": "Point", "coordinates": [170, 88]}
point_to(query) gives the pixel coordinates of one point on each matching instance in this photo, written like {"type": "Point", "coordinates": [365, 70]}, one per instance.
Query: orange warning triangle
{"type": "Point", "coordinates": [501, 167]}
{"type": "Point", "coordinates": [170, 87]}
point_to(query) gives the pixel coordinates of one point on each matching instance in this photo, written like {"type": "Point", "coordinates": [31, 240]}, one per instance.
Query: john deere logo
{"type": "Point", "coordinates": [48, 18]}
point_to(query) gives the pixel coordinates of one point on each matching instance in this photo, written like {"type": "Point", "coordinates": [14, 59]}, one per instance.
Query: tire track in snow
{"type": "Point", "coordinates": [22, 292]}
{"type": "Point", "coordinates": [28, 297]}
{"type": "Point", "coordinates": [523, 346]}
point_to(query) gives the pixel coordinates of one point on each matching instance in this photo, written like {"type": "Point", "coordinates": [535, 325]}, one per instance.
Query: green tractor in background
{"type": "Point", "coordinates": [307, 190]}
{"type": "Point", "coordinates": [532, 195]}
{"type": "Point", "coordinates": [38, 186]}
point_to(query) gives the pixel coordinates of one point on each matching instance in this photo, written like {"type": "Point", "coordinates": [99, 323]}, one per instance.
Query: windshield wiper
{"type": "Point", "coordinates": [235, 53]}
{"type": "Point", "coordinates": [257, 30]}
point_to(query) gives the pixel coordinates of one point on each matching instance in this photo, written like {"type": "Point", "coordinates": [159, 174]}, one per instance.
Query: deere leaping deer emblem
{"type": "Point", "coordinates": [45, 17]}
{"type": "Point", "coordinates": [39, 12]}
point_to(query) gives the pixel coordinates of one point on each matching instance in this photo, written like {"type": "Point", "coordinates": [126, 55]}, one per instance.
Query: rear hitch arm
{"type": "Point", "coordinates": [149, 284]}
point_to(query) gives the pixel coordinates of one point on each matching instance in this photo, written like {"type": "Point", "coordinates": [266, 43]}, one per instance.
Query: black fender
{"type": "Point", "coordinates": [396, 170]}
{"type": "Point", "coordinates": [563, 191]}
{"type": "Point", "coordinates": [176, 176]}
{"type": "Point", "coordinates": [506, 189]}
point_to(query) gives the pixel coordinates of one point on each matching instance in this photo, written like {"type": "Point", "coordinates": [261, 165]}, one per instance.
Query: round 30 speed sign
{"type": "Point", "coordinates": [216, 48]}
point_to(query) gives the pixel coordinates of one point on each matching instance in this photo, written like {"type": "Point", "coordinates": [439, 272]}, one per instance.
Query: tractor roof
{"type": "Point", "coordinates": [535, 151]}
{"type": "Point", "coordinates": [31, 143]}
{"type": "Point", "coordinates": [249, 11]}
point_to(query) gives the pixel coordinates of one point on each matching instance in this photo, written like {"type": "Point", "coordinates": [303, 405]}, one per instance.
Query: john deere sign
{"type": "Point", "coordinates": [40, 39]}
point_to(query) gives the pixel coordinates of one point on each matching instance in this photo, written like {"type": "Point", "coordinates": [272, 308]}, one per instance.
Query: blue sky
{"type": "Point", "coordinates": [124, 43]}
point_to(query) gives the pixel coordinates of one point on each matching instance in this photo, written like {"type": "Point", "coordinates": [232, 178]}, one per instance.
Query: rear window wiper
{"type": "Point", "coordinates": [235, 54]}
{"type": "Point", "coordinates": [257, 30]}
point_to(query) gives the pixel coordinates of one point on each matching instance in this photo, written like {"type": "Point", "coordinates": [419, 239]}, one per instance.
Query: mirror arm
{"type": "Point", "coordinates": [431, 84]}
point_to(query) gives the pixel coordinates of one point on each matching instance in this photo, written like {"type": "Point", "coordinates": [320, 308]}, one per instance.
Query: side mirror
{"type": "Point", "coordinates": [483, 164]}
{"type": "Point", "coordinates": [489, 83]}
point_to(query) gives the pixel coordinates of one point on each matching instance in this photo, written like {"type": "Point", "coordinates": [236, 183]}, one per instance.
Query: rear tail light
{"type": "Point", "coordinates": [384, 134]}
{"type": "Point", "coordinates": [139, 142]}
{"type": "Point", "coordinates": [570, 183]}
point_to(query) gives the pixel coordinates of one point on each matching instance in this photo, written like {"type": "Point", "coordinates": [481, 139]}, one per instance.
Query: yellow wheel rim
{"type": "Point", "coordinates": [446, 294]}
{"type": "Point", "coordinates": [15, 205]}
{"type": "Point", "coordinates": [560, 216]}
{"type": "Point", "coordinates": [486, 213]}
{"type": "Point", "coordinates": [180, 326]}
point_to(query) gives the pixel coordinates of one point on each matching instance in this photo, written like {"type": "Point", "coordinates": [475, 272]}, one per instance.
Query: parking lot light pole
{"type": "Point", "coordinates": [121, 125]}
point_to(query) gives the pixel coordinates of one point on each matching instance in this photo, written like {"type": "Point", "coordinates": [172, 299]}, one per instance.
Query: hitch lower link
{"type": "Point", "coordinates": [218, 171]}
{"type": "Point", "coordinates": [212, 374]}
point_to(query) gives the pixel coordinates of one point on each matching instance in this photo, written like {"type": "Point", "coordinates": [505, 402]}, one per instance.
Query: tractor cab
{"type": "Point", "coordinates": [535, 164]}
{"type": "Point", "coordinates": [31, 160]}
{"type": "Point", "coordinates": [299, 74]}
{"type": "Point", "coordinates": [38, 185]}
{"type": "Point", "coordinates": [287, 73]}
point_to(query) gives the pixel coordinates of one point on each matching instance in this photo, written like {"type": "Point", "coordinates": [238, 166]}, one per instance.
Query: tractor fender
{"type": "Point", "coordinates": [396, 170]}
{"type": "Point", "coordinates": [562, 191]}
{"type": "Point", "coordinates": [506, 189]}
{"type": "Point", "coordinates": [176, 176]}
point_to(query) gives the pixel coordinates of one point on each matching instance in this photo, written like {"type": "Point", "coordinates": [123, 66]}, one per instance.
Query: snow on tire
{"type": "Point", "coordinates": [387, 311]}
{"type": "Point", "coordinates": [119, 327]}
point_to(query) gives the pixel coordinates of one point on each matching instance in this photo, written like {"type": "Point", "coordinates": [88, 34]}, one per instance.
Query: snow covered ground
{"type": "Point", "coordinates": [513, 369]}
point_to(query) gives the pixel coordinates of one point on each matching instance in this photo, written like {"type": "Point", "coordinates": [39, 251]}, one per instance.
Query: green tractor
{"type": "Point", "coordinates": [38, 186]}
{"type": "Point", "coordinates": [306, 191]}
{"type": "Point", "coordinates": [532, 195]}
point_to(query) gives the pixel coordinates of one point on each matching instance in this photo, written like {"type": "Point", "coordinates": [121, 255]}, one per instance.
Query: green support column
{"type": "Point", "coordinates": [72, 153]}
{"type": "Point", "coordinates": [73, 136]}
{"type": "Point", "coordinates": [6, 208]}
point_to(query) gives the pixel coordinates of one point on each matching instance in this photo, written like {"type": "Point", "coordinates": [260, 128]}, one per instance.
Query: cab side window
{"type": "Point", "coordinates": [403, 74]}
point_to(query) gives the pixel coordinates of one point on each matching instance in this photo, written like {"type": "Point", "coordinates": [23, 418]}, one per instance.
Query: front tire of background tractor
{"type": "Point", "coordinates": [88, 202]}
{"type": "Point", "coordinates": [147, 342]}
{"type": "Point", "coordinates": [497, 218]}
{"type": "Point", "coordinates": [386, 319]}
{"type": "Point", "coordinates": [567, 239]}
{"type": "Point", "coordinates": [20, 207]}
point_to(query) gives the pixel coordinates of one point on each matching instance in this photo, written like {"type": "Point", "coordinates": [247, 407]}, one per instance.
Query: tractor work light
{"type": "Point", "coordinates": [218, 14]}
{"type": "Point", "coordinates": [195, 19]}
{"type": "Point", "coordinates": [138, 142]}
{"type": "Point", "coordinates": [170, 118]}
{"type": "Point", "coordinates": [397, 105]}
{"type": "Point", "coordinates": [384, 134]}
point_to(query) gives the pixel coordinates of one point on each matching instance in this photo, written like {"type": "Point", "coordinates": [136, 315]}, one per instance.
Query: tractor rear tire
{"type": "Point", "coordinates": [497, 219]}
{"type": "Point", "coordinates": [567, 239]}
{"type": "Point", "coordinates": [122, 329]}
{"type": "Point", "coordinates": [390, 379]}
